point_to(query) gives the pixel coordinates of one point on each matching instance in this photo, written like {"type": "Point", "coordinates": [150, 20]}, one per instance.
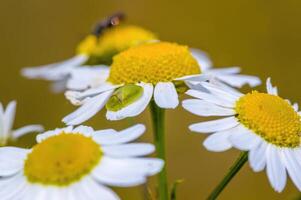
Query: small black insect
{"type": "Point", "coordinates": [109, 22]}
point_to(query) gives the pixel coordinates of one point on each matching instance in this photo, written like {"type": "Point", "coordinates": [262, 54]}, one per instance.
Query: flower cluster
{"type": "Point", "coordinates": [124, 69]}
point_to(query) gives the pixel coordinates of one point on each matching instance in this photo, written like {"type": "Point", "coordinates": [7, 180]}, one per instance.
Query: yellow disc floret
{"type": "Point", "coordinates": [62, 159]}
{"type": "Point", "coordinates": [271, 117]}
{"type": "Point", "coordinates": [88, 45]}
{"type": "Point", "coordinates": [117, 39]}
{"type": "Point", "coordinates": [153, 63]}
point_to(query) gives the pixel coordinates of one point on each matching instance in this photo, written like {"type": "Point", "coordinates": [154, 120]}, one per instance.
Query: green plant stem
{"type": "Point", "coordinates": [232, 172]}
{"type": "Point", "coordinates": [159, 139]}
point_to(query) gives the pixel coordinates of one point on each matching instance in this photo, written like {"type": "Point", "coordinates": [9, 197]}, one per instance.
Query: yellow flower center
{"type": "Point", "coordinates": [270, 117]}
{"type": "Point", "coordinates": [88, 45]}
{"type": "Point", "coordinates": [62, 159]}
{"type": "Point", "coordinates": [118, 39]}
{"type": "Point", "coordinates": [153, 63]}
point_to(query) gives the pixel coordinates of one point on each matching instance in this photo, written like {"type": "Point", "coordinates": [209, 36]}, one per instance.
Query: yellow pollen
{"type": "Point", "coordinates": [270, 117]}
{"type": "Point", "coordinates": [62, 159]}
{"type": "Point", "coordinates": [118, 39]}
{"type": "Point", "coordinates": [88, 45]}
{"type": "Point", "coordinates": [153, 63]}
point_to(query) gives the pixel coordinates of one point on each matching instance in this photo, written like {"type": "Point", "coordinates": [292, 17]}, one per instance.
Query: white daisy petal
{"type": "Point", "coordinates": [27, 129]}
{"type": "Point", "coordinates": [129, 150]}
{"type": "Point", "coordinates": [95, 191]}
{"type": "Point", "coordinates": [210, 98]}
{"type": "Point", "coordinates": [88, 109]}
{"type": "Point", "coordinates": [12, 187]}
{"type": "Point", "coordinates": [243, 139]}
{"type": "Point", "coordinates": [126, 172]}
{"type": "Point", "coordinates": [221, 93]}
{"type": "Point", "coordinates": [165, 95]}
{"type": "Point", "coordinates": [55, 71]}
{"type": "Point", "coordinates": [218, 142]}
{"type": "Point", "coordinates": [214, 125]}
{"type": "Point", "coordinates": [86, 76]}
{"type": "Point", "coordinates": [275, 169]}
{"type": "Point", "coordinates": [270, 89]}
{"type": "Point", "coordinates": [293, 166]}
{"type": "Point", "coordinates": [11, 159]}
{"type": "Point", "coordinates": [204, 108]}
{"type": "Point", "coordinates": [78, 98]}
{"type": "Point", "coordinates": [9, 116]}
{"type": "Point", "coordinates": [227, 70]}
{"type": "Point", "coordinates": [117, 175]}
{"type": "Point", "coordinates": [257, 157]}
{"type": "Point", "coordinates": [239, 80]}
{"type": "Point", "coordinates": [113, 137]}
{"type": "Point", "coordinates": [195, 78]}
{"type": "Point", "coordinates": [135, 108]}
{"type": "Point", "coordinates": [202, 58]}
{"type": "Point", "coordinates": [226, 88]}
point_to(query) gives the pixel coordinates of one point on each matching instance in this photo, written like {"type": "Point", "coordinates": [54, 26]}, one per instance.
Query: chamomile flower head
{"type": "Point", "coordinates": [154, 70]}
{"type": "Point", "coordinates": [7, 118]}
{"type": "Point", "coordinates": [117, 39]}
{"type": "Point", "coordinates": [96, 50]}
{"type": "Point", "coordinates": [264, 124]}
{"type": "Point", "coordinates": [76, 163]}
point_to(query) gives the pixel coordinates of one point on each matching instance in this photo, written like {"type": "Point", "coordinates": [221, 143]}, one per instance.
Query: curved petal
{"type": "Point", "coordinates": [86, 76]}
{"type": "Point", "coordinates": [27, 129]}
{"type": "Point", "coordinates": [79, 98]}
{"type": "Point", "coordinates": [126, 172]}
{"type": "Point", "coordinates": [275, 169]}
{"type": "Point", "coordinates": [128, 150]}
{"type": "Point", "coordinates": [88, 109]}
{"type": "Point", "coordinates": [11, 159]}
{"type": "Point", "coordinates": [257, 157]}
{"type": "Point", "coordinates": [96, 191]}
{"type": "Point", "coordinates": [202, 58]}
{"type": "Point", "coordinates": [270, 89]}
{"type": "Point", "coordinates": [165, 95]}
{"type": "Point", "coordinates": [9, 117]}
{"type": "Point", "coordinates": [55, 71]}
{"type": "Point", "coordinates": [293, 166]}
{"type": "Point", "coordinates": [214, 125]}
{"type": "Point", "coordinates": [243, 139]}
{"type": "Point", "coordinates": [12, 187]}
{"type": "Point", "coordinates": [239, 80]}
{"type": "Point", "coordinates": [135, 108]}
{"type": "Point", "coordinates": [218, 142]}
{"type": "Point", "coordinates": [204, 108]}
{"type": "Point", "coordinates": [211, 98]}
{"type": "Point", "coordinates": [110, 137]}
{"type": "Point", "coordinates": [224, 70]}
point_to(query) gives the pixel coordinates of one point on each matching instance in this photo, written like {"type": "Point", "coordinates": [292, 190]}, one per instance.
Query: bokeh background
{"type": "Point", "coordinates": [262, 36]}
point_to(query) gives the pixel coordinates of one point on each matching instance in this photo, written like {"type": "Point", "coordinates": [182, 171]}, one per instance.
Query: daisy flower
{"type": "Point", "coordinates": [159, 70]}
{"type": "Point", "coordinates": [93, 50]}
{"type": "Point", "coordinates": [7, 118]}
{"type": "Point", "coordinates": [264, 124]}
{"type": "Point", "coordinates": [76, 163]}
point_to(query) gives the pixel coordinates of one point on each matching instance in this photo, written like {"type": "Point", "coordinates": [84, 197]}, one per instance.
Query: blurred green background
{"type": "Point", "coordinates": [262, 36]}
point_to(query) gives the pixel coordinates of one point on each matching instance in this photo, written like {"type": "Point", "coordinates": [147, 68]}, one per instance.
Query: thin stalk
{"type": "Point", "coordinates": [159, 139]}
{"type": "Point", "coordinates": [232, 172]}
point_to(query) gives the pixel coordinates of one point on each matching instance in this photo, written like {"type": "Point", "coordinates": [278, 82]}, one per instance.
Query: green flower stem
{"type": "Point", "coordinates": [159, 138]}
{"type": "Point", "coordinates": [243, 158]}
